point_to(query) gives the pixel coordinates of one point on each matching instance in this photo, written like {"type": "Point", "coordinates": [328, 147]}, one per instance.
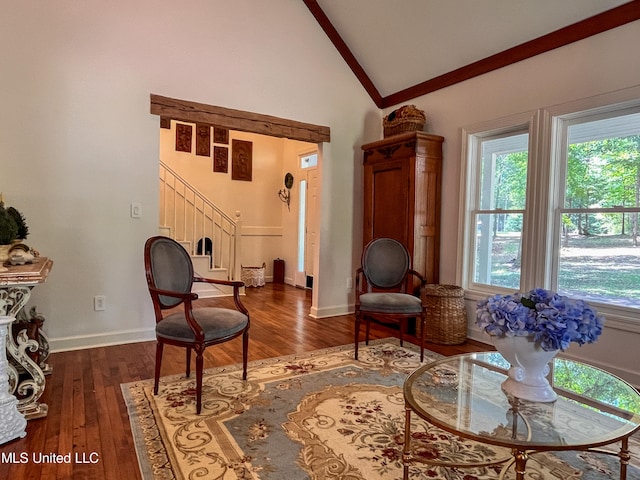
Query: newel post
{"type": "Point", "coordinates": [237, 247]}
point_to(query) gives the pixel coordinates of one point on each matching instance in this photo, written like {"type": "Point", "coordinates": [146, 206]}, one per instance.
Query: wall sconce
{"type": "Point", "coordinates": [285, 193]}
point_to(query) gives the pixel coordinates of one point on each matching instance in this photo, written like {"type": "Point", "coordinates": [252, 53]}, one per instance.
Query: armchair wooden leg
{"type": "Point", "coordinates": [199, 368]}
{"type": "Point", "coordinates": [159, 346]}
{"type": "Point", "coordinates": [188, 372]}
{"type": "Point", "coordinates": [423, 327]}
{"type": "Point", "coordinates": [357, 335]}
{"type": "Point", "coordinates": [245, 351]}
{"type": "Point", "coordinates": [367, 328]}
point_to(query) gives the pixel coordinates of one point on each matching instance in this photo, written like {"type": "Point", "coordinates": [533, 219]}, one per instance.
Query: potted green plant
{"type": "Point", "coordinates": [23, 229]}
{"type": "Point", "coordinates": [8, 233]}
{"type": "Point", "coordinates": [13, 227]}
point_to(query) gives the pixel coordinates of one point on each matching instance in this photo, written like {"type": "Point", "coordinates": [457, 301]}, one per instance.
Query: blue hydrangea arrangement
{"type": "Point", "coordinates": [554, 320]}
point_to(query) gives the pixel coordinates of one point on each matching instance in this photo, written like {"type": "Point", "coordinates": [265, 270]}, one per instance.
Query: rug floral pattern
{"type": "Point", "coordinates": [320, 415]}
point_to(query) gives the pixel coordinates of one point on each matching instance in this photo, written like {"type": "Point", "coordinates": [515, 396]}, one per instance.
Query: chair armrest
{"type": "Point", "coordinates": [419, 276]}
{"type": "Point", "coordinates": [423, 281]}
{"type": "Point", "coordinates": [230, 283]}
{"type": "Point", "coordinates": [358, 286]}
{"type": "Point", "coordinates": [170, 293]}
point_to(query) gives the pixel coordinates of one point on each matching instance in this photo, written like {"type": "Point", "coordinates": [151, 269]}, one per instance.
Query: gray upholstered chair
{"type": "Point", "coordinates": [384, 289]}
{"type": "Point", "coordinates": [170, 277]}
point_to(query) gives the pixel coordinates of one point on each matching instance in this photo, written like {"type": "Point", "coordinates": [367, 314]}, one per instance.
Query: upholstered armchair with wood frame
{"type": "Point", "coordinates": [384, 290]}
{"type": "Point", "coordinates": [170, 276]}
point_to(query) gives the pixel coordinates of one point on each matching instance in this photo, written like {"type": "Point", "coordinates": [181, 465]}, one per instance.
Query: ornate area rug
{"type": "Point", "coordinates": [320, 415]}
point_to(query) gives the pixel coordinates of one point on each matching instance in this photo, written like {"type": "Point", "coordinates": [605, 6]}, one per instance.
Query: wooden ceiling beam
{"type": "Point", "coordinates": [343, 49]}
{"type": "Point", "coordinates": [186, 111]}
{"type": "Point", "coordinates": [588, 27]}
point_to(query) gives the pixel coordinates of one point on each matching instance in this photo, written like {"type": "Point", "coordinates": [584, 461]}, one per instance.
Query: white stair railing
{"type": "Point", "coordinates": [191, 217]}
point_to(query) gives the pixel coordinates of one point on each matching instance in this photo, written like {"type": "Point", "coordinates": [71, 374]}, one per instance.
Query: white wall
{"type": "Point", "coordinates": [79, 144]}
{"type": "Point", "coordinates": [595, 66]}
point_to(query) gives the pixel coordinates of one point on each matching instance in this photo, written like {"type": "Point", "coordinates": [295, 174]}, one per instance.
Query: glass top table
{"type": "Point", "coordinates": [462, 395]}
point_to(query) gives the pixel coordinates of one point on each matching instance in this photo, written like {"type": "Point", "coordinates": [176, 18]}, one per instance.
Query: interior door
{"type": "Point", "coordinates": [307, 221]}
{"type": "Point", "coordinates": [311, 237]}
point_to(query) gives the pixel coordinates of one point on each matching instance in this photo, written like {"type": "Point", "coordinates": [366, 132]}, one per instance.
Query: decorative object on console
{"type": "Point", "coordinates": [21, 223]}
{"type": "Point", "coordinates": [529, 329]}
{"type": "Point", "coordinates": [241, 160]}
{"type": "Point", "coordinates": [285, 193]}
{"type": "Point", "coordinates": [13, 227]}
{"type": "Point", "coordinates": [407, 118]}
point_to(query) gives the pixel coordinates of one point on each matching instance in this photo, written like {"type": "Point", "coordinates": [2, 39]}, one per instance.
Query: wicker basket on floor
{"type": "Point", "coordinates": [253, 276]}
{"type": "Point", "coordinates": [446, 314]}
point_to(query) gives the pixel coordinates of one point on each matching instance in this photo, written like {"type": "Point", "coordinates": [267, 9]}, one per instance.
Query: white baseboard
{"type": "Point", "coordinates": [104, 340]}
{"type": "Point", "coordinates": [334, 311]}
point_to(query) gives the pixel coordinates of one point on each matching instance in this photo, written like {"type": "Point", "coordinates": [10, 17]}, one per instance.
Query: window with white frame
{"type": "Point", "coordinates": [499, 208]}
{"type": "Point", "coordinates": [557, 210]}
{"type": "Point", "coordinates": [309, 161]}
{"type": "Point", "coordinates": [597, 160]}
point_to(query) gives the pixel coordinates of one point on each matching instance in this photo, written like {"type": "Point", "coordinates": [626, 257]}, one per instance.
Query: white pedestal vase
{"type": "Point", "coordinates": [529, 368]}
{"type": "Point", "coordinates": [12, 422]}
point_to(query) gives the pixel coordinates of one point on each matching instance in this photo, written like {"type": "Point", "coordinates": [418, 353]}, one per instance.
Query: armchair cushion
{"type": "Point", "coordinates": [215, 322]}
{"type": "Point", "coordinates": [390, 303]}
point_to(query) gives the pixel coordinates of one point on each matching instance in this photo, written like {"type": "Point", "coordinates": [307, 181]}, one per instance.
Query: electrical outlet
{"type": "Point", "coordinates": [99, 303]}
{"type": "Point", "coordinates": [349, 283]}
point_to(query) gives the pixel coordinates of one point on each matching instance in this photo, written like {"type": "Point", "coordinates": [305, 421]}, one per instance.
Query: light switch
{"type": "Point", "coordinates": [136, 210]}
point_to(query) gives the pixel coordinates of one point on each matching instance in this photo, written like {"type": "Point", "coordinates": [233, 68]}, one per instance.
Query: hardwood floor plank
{"type": "Point", "coordinates": [87, 414]}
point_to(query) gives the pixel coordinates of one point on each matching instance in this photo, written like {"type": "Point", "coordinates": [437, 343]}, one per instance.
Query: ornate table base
{"type": "Point", "coordinates": [27, 348]}
{"type": "Point", "coordinates": [12, 422]}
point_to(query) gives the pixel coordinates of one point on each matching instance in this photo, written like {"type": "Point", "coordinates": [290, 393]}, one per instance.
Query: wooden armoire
{"type": "Point", "coordinates": [402, 188]}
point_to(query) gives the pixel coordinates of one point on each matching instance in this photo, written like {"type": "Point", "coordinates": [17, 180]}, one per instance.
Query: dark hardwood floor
{"type": "Point", "coordinates": [87, 417]}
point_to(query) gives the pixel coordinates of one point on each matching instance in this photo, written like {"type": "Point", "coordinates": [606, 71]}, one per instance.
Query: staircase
{"type": "Point", "coordinates": [188, 217]}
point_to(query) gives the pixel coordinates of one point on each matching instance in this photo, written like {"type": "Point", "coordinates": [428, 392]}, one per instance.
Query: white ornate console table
{"type": "Point", "coordinates": [12, 422]}
{"type": "Point", "coordinates": [27, 348]}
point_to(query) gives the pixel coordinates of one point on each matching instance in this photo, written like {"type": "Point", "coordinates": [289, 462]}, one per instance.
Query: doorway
{"type": "Point", "coordinates": [169, 109]}
{"type": "Point", "coordinates": [307, 219]}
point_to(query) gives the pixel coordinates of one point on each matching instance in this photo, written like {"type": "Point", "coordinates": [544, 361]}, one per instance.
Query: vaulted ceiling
{"type": "Point", "coordinates": [401, 49]}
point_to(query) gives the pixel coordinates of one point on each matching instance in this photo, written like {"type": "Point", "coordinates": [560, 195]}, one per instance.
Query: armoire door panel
{"type": "Point", "coordinates": [390, 201]}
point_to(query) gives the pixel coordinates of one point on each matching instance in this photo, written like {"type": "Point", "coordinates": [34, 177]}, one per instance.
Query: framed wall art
{"type": "Point", "coordinates": [241, 160]}
{"type": "Point", "coordinates": [183, 137]}
{"type": "Point", "coordinates": [221, 135]}
{"type": "Point", "coordinates": [203, 139]}
{"type": "Point", "coordinates": [220, 159]}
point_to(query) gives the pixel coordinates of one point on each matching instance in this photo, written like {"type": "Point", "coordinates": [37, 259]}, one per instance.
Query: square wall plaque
{"type": "Point", "coordinates": [220, 135]}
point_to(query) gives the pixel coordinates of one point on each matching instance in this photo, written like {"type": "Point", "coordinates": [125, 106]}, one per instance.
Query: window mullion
{"type": "Point", "coordinates": [534, 245]}
{"type": "Point", "coordinates": [557, 150]}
